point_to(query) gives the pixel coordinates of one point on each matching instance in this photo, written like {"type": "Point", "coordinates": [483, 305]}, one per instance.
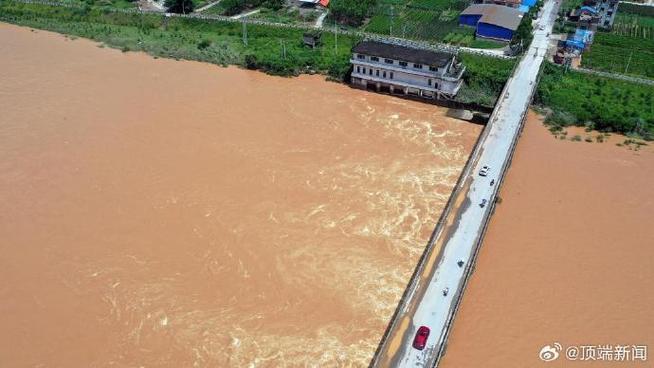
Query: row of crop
{"type": "Point", "coordinates": [429, 20]}
{"type": "Point", "coordinates": [413, 24]}
{"type": "Point", "coordinates": [617, 60]}
{"type": "Point", "coordinates": [633, 30]}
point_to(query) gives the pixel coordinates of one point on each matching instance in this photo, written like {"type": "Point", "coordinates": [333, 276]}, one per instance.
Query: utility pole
{"type": "Point", "coordinates": [335, 39]}
{"type": "Point", "coordinates": [392, 21]}
{"type": "Point", "coordinates": [282, 44]}
{"type": "Point", "coordinates": [245, 33]}
{"type": "Point", "coordinates": [628, 61]}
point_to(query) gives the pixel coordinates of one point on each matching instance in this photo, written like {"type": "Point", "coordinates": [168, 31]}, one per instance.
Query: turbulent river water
{"type": "Point", "coordinates": [160, 213]}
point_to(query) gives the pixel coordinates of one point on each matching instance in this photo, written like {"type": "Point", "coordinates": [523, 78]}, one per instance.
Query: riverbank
{"type": "Point", "coordinates": [567, 257]}
{"type": "Point", "coordinates": [155, 215]}
{"type": "Point", "coordinates": [274, 50]}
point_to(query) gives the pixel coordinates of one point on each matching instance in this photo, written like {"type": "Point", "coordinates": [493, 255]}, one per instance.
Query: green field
{"type": "Point", "coordinates": [630, 53]}
{"type": "Point", "coordinates": [608, 104]}
{"type": "Point", "coordinates": [430, 20]}
{"type": "Point", "coordinates": [629, 8]}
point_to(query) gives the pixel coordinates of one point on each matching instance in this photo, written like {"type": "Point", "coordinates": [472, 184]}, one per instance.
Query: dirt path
{"type": "Point", "coordinates": [247, 14]}
{"type": "Point", "coordinates": [211, 4]}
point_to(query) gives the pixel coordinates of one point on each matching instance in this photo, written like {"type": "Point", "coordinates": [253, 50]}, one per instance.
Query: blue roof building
{"type": "Point", "coordinates": [492, 21]}
{"type": "Point", "coordinates": [580, 40]}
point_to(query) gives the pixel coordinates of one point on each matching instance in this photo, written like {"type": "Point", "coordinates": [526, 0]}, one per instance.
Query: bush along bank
{"type": "Point", "coordinates": [605, 104]}
{"type": "Point", "coordinates": [274, 50]}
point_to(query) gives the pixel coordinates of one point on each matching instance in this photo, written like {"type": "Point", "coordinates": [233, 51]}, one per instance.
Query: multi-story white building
{"type": "Point", "coordinates": [406, 70]}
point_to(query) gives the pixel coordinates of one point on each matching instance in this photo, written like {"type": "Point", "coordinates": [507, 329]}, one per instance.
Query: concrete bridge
{"type": "Point", "coordinates": [435, 291]}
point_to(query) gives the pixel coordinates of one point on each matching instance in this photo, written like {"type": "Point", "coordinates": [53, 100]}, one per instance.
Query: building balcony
{"type": "Point", "coordinates": [451, 90]}
{"type": "Point", "coordinates": [455, 74]}
{"type": "Point", "coordinates": [397, 68]}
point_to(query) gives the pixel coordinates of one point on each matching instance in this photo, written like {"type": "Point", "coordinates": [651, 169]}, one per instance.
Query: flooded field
{"type": "Point", "coordinates": [160, 213]}
{"type": "Point", "coordinates": [568, 257]}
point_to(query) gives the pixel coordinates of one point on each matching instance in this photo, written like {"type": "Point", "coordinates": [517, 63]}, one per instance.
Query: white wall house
{"type": "Point", "coordinates": [405, 70]}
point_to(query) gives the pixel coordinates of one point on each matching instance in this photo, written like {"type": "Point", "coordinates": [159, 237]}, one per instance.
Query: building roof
{"type": "Point", "coordinates": [511, 2]}
{"type": "Point", "coordinates": [403, 53]}
{"type": "Point", "coordinates": [324, 3]}
{"type": "Point", "coordinates": [497, 15]}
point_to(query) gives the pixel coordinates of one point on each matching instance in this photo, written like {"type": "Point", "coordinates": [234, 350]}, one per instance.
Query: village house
{"type": "Point", "coordinates": [406, 70]}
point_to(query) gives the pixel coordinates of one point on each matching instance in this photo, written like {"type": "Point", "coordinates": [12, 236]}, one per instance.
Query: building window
{"type": "Point", "coordinates": [403, 64]}
{"type": "Point", "coordinates": [358, 69]}
{"type": "Point", "coordinates": [436, 85]}
{"type": "Point", "coordinates": [374, 58]}
{"type": "Point", "coordinates": [417, 66]}
{"type": "Point", "coordinates": [388, 61]}
{"type": "Point", "coordinates": [429, 82]}
{"type": "Point", "coordinates": [384, 74]}
{"type": "Point", "coordinates": [433, 69]}
{"type": "Point", "coordinates": [370, 71]}
{"type": "Point", "coordinates": [391, 75]}
{"type": "Point", "coordinates": [364, 70]}
{"type": "Point", "coordinates": [362, 57]}
{"type": "Point", "coordinates": [377, 72]}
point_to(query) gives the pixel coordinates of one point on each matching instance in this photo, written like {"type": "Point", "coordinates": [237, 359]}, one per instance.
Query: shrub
{"type": "Point", "coordinates": [179, 6]}
{"type": "Point", "coordinates": [204, 44]}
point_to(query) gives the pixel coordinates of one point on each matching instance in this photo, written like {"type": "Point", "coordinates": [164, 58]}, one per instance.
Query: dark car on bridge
{"type": "Point", "coordinates": [420, 340]}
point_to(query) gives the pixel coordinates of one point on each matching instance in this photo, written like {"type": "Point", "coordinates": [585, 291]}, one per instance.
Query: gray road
{"type": "Point", "coordinates": [458, 236]}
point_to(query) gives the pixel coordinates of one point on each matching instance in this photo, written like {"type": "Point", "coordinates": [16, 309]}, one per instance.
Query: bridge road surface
{"type": "Point", "coordinates": [458, 235]}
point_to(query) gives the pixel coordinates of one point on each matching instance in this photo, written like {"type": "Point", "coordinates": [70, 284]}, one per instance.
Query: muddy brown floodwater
{"type": "Point", "coordinates": [568, 257]}
{"type": "Point", "coordinates": [159, 213]}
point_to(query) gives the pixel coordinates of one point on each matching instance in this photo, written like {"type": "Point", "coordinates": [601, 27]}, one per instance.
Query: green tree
{"type": "Point", "coordinates": [179, 6]}
{"type": "Point", "coordinates": [233, 6]}
{"type": "Point", "coordinates": [351, 12]}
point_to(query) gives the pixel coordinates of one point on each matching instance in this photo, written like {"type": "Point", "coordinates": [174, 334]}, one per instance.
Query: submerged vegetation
{"type": "Point", "coordinates": [606, 104]}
